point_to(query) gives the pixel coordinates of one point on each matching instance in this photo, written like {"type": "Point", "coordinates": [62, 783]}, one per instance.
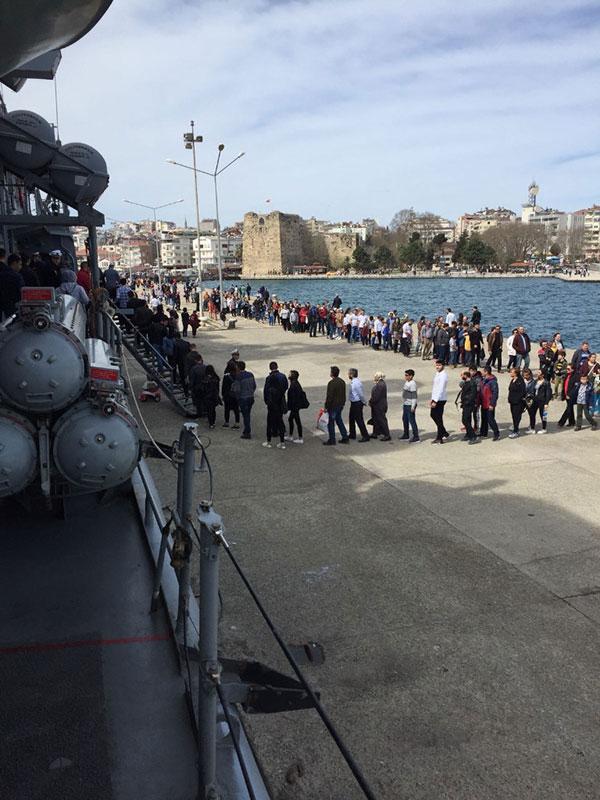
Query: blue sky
{"type": "Point", "coordinates": [345, 109]}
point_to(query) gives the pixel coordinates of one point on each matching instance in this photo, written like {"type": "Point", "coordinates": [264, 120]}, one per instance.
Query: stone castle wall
{"type": "Point", "coordinates": [275, 242]}
{"type": "Point", "coordinates": [271, 244]}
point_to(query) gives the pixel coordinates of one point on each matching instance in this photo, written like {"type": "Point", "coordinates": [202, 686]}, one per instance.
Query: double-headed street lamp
{"type": "Point", "coordinates": [154, 209]}
{"type": "Point", "coordinates": [214, 175]}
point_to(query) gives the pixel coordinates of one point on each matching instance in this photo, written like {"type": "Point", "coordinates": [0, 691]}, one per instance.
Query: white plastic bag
{"type": "Point", "coordinates": [323, 421]}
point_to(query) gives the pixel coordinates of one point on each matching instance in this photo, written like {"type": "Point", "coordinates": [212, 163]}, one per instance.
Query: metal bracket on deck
{"type": "Point", "coordinates": [260, 689]}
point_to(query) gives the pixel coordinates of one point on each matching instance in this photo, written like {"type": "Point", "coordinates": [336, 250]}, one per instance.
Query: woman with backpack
{"type": "Point", "coordinates": [209, 392]}
{"type": "Point", "coordinates": [296, 401]}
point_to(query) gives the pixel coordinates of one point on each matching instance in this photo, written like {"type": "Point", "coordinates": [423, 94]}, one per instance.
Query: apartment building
{"type": "Point", "coordinates": [480, 221]}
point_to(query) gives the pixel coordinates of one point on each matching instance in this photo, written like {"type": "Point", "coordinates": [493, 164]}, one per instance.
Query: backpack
{"type": "Point", "coordinates": [304, 402]}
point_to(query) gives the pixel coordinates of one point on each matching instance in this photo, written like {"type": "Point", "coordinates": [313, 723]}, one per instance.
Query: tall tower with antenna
{"type": "Point", "coordinates": [531, 206]}
{"type": "Point", "coordinates": [532, 193]}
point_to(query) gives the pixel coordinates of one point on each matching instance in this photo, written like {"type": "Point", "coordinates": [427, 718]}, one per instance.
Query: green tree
{"type": "Point", "coordinates": [477, 253]}
{"type": "Point", "coordinates": [461, 245]}
{"type": "Point", "coordinates": [555, 249]}
{"type": "Point", "coordinates": [438, 239]}
{"type": "Point", "coordinates": [413, 253]}
{"type": "Point", "coordinates": [383, 258]}
{"type": "Point", "coordinates": [362, 259]}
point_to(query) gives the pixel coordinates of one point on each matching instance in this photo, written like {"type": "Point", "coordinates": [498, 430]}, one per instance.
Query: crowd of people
{"type": "Point", "coordinates": [451, 340]}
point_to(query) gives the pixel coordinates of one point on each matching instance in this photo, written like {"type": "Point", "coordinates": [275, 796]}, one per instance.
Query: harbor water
{"type": "Point", "coordinates": [543, 305]}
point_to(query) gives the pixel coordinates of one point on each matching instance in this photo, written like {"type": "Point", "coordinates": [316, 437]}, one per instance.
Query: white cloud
{"type": "Point", "coordinates": [345, 109]}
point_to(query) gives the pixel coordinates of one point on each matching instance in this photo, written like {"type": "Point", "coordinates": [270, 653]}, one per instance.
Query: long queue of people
{"type": "Point", "coordinates": [529, 396]}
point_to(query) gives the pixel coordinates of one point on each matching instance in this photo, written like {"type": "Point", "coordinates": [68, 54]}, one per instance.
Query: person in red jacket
{"type": "Point", "coordinates": [568, 416]}
{"type": "Point", "coordinates": [84, 277]}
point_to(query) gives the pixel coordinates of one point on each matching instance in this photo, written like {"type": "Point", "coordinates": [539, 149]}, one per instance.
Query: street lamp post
{"type": "Point", "coordinates": [154, 209]}
{"type": "Point", "coordinates": [214, 175]}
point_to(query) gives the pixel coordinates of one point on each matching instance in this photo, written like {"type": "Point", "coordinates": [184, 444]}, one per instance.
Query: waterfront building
{"type": "Point", "coordinates": [231, 244]}
{"type": "Point", "coordinates": [481, 221]}
{"type": "Point", "coordinates": [428, 226]}
{"type": "Point", "coordinates": [591, 233]}
{"type": "Point", "coordinates": [176, 248]}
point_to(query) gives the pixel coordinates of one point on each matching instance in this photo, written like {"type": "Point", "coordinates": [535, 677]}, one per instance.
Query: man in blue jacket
{"type": "Point", "coordinates": [582, 395]}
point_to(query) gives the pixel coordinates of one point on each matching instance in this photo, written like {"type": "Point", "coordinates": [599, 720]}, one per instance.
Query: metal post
{"type": "Point", "coordinates": [185, 492]}
{"type": "Point", "coordinates": [93, 256]}
{"type": "Point", "coordinates": [208, 649]}
{"type": "Point", "coordinates": [197, 217]}
{"type": "Point", "coordinates": [158, 257]}
{"type": "Point", "coordinates": [219, 244]}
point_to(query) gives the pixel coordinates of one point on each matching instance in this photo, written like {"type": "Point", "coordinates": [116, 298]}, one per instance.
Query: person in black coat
{"type": "Point", "coordinates": [296, 400]}
{"type": "Point", "coordinates": [209, 394]}
{"type": "Point", "coordinates": [516, 400]}
{"type": "Point", "coordinates": [379, 407]}
{"type": "Point", "coordinates": [276, 385]}
{"type": "Point", "coordinates": [468, 403]}
{"type": "Point", "coordinates": [543, 395]}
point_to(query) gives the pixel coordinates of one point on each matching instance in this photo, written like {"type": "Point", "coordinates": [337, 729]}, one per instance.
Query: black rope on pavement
{"type": "Point", "coordinates": [347, 755]}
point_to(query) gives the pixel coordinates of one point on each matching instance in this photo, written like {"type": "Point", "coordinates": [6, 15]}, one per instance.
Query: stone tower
{"type": "Point", "coordinates": [272, 243]}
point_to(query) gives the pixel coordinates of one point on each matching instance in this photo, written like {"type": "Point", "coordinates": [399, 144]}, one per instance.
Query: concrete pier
{"type": "Point", "coordinates": [454, 588]}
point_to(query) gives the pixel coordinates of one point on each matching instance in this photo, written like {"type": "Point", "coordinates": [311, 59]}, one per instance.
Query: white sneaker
{"type": "Point", "coordinates": [530, 430]}
{"type": "Point", "coordinates": [298, 441]}
{"type": "Point", "coordinates": [281, 445]}
{"type": "Point", "coordinates": [542, 431]}
{"type": "Point", "coordinates": [267, 444]}
{"type": "Point", "coordinates": [290, 439]}
{"type": "Point", "coordinates": [513, 435]}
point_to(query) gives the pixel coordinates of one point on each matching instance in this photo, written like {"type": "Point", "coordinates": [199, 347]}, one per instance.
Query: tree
{"type": "Point", "coordinates": [403, 219]}
{"type": "Point", "coordinates": [555, 249]}
{"type": "Point", "coordinates": [477, 253]}
{"type": "Point", "coordinates": [439, 239]}
{"type": "Point", "coordinates": [383, 258]}
{"type": "Point", "coordinates": [413, 253]}
{"type": "Point", "coordinates": [362, 259]}
{"type": "Point", "coordinates": [461, 246]}
{"type": "Point", "coordinates": [515, 241]}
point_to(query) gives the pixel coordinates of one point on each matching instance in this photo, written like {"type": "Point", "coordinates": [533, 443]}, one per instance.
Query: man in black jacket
{"type": "Point", "coordinates": [335, 401]}
{"type": "Point", "coordinates": [468, 401]}
{"type": "Point", "coordinates": [476, 338]}
{"type": "Point", "coordinates": [276, 385]}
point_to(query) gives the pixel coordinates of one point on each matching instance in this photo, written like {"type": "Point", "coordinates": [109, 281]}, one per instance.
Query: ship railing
{"type": "Point", "coordinates": [217, 685]}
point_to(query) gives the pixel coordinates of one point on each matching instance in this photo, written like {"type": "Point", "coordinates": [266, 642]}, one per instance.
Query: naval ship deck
{"type": "Point", "coordinates": [92, 704]}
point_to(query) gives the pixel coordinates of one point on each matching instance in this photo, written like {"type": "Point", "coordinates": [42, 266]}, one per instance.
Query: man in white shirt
{"type": "Point", "coordinates": [405, 341]}
{"type": "Point", "coordinates": [439, 395]}
{"type": "Point", "coordinates": [450, 317]}
{"type": "Point", "coordinates": [356, 396]}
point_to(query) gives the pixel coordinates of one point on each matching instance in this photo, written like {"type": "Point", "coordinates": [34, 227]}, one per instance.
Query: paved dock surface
{"type": "Point", "coordinates": [91, 701]}
{"type": "Point", "coordinates": [454, 588]}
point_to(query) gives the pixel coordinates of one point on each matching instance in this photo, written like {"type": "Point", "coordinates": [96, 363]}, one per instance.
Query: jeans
{"type": "Point", "coordinates": [443, 353]}
{"type": "Point", "coordinates": [356, 418]}
{"type": "Point", "coordinates": [295, 417]}
{"type": "Point", "coordinates": [409, 417]}
{"type": "Point", "coordinates": [467, 421]}
{"type": "Point", "coordinates": [275, 425]}
{"type": "Point", "coordinates": [581, 410]}
{"type": "Point", "coordinates": [437, 415]}
{"type": "Point", "coordinates": [335, 418]}
{"type": "Point", "coordinates": [246, 404]}
{"type": "Point", "coordinates": [495, 356]}
{"type": "Point", "coordinates": [231, 404]}
{"type": "Point", "coordinates": [516, 411]}
{"type": "Point", "coordinates": [488, 420]}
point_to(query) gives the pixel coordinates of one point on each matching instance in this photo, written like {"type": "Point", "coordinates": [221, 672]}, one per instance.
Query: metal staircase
{"type": "Point", "coordinates": [156, 367]}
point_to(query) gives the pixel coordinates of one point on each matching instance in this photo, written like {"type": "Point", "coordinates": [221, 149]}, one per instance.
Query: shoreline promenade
{"type": "Point", "coordinates": [593, 277]}
{"type": "Point", "coordinates": [455, 589]}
